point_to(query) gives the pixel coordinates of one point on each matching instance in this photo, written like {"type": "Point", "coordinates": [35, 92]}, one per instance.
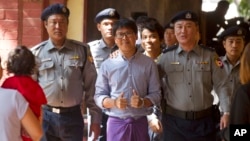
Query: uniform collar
{"type": "Point", "coordinates": [226, 60]}
{"type": "Point", "coordinates": [50, 45]}
{"type": "Point", "coordinates": [196, 49]}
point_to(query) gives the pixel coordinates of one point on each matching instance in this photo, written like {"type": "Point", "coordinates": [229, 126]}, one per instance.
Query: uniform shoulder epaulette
{"type": "Point", "coordinates": [169, 48]}
{"type": "Point", "coordinates": [78, 42]}
{"type": "Point", "coordinates": [38, 46]}
{"type": "Point", "coordinates": [94, 43]}
{"type": "Point", "coordinates": [207, 47]}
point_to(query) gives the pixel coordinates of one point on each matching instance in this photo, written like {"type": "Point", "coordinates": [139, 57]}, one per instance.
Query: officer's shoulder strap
{"type": "Point", "coordinates": [170, 48]}
{"type": "Point", "coordinates": [35, 50]}
{"type": "Point", "coordinates": [207, 47]}
{"type": "Point", "coordinates": [93, 43]}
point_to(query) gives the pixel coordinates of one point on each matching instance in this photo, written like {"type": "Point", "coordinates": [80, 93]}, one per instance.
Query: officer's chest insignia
{"type": "Point", "coordinates": [75, 57]}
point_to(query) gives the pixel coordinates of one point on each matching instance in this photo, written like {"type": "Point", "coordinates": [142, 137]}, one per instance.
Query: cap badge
{"type": "Point", "coordinates": [188, 16]}
{"type": "Point", "coordinates": [112, 13]}
{"type": "Point", "coordinates": [64, 10]}
{"type": "Point", "coordinates": [239, 32]}
{"type": "Point", "coordinates": [171, 25]}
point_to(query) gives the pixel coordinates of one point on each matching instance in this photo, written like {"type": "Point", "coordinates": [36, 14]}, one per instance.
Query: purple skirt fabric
{"type": "Point", "coordinates": [127, 129]}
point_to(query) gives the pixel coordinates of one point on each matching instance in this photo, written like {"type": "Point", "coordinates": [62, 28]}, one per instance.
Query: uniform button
{"type": "Point", "coordinates": [61, 101]}
{"type": "Point", "coordinates": [189, 83]}
{"type": "Point", "coordinates": [60, 65]}
{"type": "Point", "coordinates": [61, 77]}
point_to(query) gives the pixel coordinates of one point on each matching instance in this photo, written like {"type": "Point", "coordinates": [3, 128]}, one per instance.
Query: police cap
{"type": "Point", "coordinates": [169, 25]}
{"type": "Point", "coordinates": [55, 9]}
{"type": "Point", "coordinates": [185, 15]}
{"type": "Point", "coordinates": [109, 13]}
{"type": "Point", "coordinates": [233, 31]}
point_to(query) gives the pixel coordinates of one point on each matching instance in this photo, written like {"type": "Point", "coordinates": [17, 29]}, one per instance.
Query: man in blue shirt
{"type": "Point", "coordinates": [127, 86]}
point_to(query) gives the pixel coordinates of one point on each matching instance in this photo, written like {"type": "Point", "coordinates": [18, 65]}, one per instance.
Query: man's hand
{"type": "Point", "coordinates": [155, 125]}
{"type": "Point", "coordinates": [224, 121]}
{"type": "Point", "coordinates": [96, 129]}
{"type": "Point", "coordinates": [136, 101]}
{"type": "Point", "coordinates": [121, 102]}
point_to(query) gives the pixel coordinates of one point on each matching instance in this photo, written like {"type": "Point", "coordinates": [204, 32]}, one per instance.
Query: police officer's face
{"type": "Point", "coordinates": [125, 39]}
{"type": "Point", "coordinates": [186, 31]}
{"type": "Point", "coordinates": [150, 41]}
{"type": "Point", "coordinates": [105, 27]}
{"type": "Point", "coordinates": [234, 46]}
{"type": "Point", "coordinates": [169, 37]}
{"type": "Point", "coordinates": [57, 27]}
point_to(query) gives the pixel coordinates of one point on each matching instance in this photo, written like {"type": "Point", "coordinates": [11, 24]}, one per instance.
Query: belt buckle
{"type": "Point", "coordinates": [55, 110]}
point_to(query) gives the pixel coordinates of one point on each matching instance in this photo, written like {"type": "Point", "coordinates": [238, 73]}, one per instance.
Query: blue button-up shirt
{"type": "Point", "coordinates": [119, 75]}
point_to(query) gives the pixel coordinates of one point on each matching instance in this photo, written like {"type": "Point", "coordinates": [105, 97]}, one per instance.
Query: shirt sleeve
{"type": "Point", "coordinates": [221, 86]}
{"type": "Point", "coordinates": [21, 105]}
{"type": "Point", "coordinates": [89, 79]}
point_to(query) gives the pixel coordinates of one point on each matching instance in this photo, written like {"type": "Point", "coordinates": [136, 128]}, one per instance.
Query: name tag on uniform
{"type": "Point", "coordinates": [175, 63]}
{"type": "Point", "coordinates": [99, 59]}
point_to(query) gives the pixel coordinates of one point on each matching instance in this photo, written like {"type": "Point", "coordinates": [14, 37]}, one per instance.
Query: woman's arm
{"type": "Point", "coordinates": [31, 124]}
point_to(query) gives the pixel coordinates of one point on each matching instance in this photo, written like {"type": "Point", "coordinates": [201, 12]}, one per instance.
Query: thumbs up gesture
{"type": "Point", "coordinates": [136, 101]}
{"type": "Point", "coordinates": [121, 102]}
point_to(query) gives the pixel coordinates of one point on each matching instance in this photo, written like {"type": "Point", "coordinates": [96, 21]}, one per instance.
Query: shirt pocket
{"type": "Point", "coordinates": [175, 73]}
{"type": "Point", "coordinates": [46, 71]}
{"type": "Point", "coordinates": [203, 71]}
{"type": "Point", "coordinates": [73, 69]}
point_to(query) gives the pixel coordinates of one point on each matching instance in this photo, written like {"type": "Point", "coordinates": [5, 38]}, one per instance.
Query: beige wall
{"type": "Point", "coordinates": [75, 30]}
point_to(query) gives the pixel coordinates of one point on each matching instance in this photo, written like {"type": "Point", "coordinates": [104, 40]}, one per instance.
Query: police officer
{"type": "Point", "coordinates": [233, 40]}
{"type": "Point", "coordinates": [169, 37]}
{"type": "Point", "coordinates": [65, 73]}
{"type": "Point", "coordinates": [192, 71]}
{"type": "Point", "coordinates": [101, 48]}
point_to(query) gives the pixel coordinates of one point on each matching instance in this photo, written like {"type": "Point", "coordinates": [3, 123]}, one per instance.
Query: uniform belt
{"type": "Point", "coordinates": [191, 115]}
{"type": "Point", "coordinates": [59, 110]}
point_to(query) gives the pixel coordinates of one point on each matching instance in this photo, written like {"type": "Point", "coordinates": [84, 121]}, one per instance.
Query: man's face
{"type": "Point", "coordinates": [105, 27]}
{"type": "Point", "coordinates": [169, 37]}
{"type": "Point", "coordinates": [57, 27]}
{"type": "Point", "coordinates": [150, 41]}
{"type": "Point", "coordinates": [234, 46]}
{"type": "Point", "coordinates": [125, 39]}
{"type": "Point", "coordinates": [186, 31]}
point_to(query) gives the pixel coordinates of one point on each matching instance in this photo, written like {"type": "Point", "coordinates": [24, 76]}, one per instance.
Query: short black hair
{"type": "Point", "coordinates": [154, 26]}
{"type": "Point", "coordinates": [21, 61]}
{"type": "Point", "coordinates": [124, 23]}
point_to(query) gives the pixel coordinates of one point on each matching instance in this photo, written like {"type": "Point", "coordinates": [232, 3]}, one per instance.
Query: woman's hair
{"type": "Point", "coordinates": [21, 61]}
{"type": "Point", "coordinates": [245, 65]}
